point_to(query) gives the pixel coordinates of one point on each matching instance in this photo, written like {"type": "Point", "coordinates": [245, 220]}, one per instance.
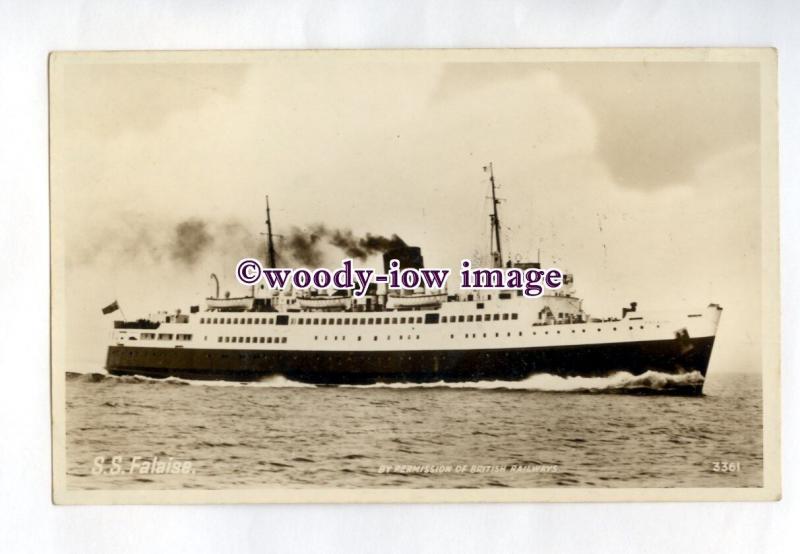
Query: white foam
{"type": "Point", "coordinates": [553, 383]}
{"type": "Point", "coordinates": [621, 380]}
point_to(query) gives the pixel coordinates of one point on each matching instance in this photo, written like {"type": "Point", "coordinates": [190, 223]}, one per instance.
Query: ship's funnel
{"type": "Point", "coordinates": [408, 256]}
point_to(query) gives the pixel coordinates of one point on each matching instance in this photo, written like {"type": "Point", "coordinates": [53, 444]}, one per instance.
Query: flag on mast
{"type": "Point", "coordinates": [113, 307]}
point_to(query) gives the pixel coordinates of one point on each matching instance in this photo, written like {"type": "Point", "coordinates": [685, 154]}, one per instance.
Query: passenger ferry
{"type": "Point", "coordinates": [419, 336]}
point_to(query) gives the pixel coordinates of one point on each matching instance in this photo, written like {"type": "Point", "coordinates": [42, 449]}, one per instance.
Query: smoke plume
{"type": "Point", "coordinates": [190, 240]}
{"type": "Point", "coordinates": [130, 240]}
{"type": "Point", "coordinates": [304, 245]}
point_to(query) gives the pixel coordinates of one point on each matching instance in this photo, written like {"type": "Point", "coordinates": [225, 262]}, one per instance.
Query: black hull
{"type": "Point", "coordinates": [335, 368]}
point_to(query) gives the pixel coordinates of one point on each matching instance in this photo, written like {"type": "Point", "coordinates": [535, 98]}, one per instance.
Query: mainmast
{"type": "Point", "coordinates": [270, 245]}
{"type": "Point", "coordinates": [495, 220]}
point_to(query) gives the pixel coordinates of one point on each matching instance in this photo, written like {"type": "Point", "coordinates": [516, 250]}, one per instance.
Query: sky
{"type": "Point", "coordinates": [642, 178]}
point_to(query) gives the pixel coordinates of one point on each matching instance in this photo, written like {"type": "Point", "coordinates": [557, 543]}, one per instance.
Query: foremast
{"type": "Point", "coordinates": [494, 218]}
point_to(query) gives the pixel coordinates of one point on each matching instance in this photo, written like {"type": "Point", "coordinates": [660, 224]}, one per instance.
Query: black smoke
{"type": "Point", "coordinates": [130, 240]}
{"type": "Point", "coordinates": [189, 241]}
{"type": "Point", "coordinates": [306, 245]}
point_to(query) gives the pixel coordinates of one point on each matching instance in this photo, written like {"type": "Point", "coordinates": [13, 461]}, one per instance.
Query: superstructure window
{"type": "Point", "coordinates": [183, 337]}
{"type": "Point", "coordinates": [165, 336]}
{"type": "Point", "coordinates": [513, 316]}
{"type": "Point", "coordinates": [505, 317]}
{"type": "Point", "coordinates": [461, 319]}
{"type": "Point", "coordinates": [469, 318]}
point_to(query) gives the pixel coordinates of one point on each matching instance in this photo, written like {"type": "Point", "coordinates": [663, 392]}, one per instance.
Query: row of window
{"type": "Point", "coordinates": [358, 320]}
{"type": "Point", "coordinates": [558, 332]}
{"type": "Point", "coordinates": [260, 340]}
{"type": "Point", "coordinates": [374, 338]}
{"type": "Point", "coordinates": [238, 320]}
{"type": "Point", "coordinates": [478, 317]}
{"type": "Point", "coordinates": [165, 336]}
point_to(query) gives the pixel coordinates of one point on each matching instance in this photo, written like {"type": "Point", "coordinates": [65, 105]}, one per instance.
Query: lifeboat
{"type": "Point", "coordinates": [236, 304]}
{"type": "Point", "coordinates": [415, 301]}
{"type": "Point", "coordinates": [324, 302]}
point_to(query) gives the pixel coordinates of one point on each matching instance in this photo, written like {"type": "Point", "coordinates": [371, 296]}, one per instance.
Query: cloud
{"type": "Point", "coordinates": [106, 100]}
{"type": "Point", "coordinates": [656, 123]}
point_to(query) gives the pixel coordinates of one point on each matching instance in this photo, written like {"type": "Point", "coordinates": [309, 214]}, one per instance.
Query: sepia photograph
{"type": "Point", "coordinates": [414, 276]}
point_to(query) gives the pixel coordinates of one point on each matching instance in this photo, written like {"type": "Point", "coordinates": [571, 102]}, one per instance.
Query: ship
{"type": "Point", "coordinates": [419, 336]}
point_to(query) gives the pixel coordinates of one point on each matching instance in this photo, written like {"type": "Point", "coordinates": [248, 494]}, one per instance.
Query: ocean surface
{"type": "Point", "coordinates": [543, 432]}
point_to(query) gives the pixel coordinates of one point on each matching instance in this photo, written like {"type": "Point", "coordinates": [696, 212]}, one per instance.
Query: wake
{"type": "Point", "coordinates": [620, 382]}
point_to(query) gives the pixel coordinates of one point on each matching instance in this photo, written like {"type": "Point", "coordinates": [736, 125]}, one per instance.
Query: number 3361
{"type": "Point", "coordinates": [726, 467]}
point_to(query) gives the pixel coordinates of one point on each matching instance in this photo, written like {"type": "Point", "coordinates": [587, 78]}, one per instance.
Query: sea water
{"type": "Point", "coordinates": [545, 431]}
